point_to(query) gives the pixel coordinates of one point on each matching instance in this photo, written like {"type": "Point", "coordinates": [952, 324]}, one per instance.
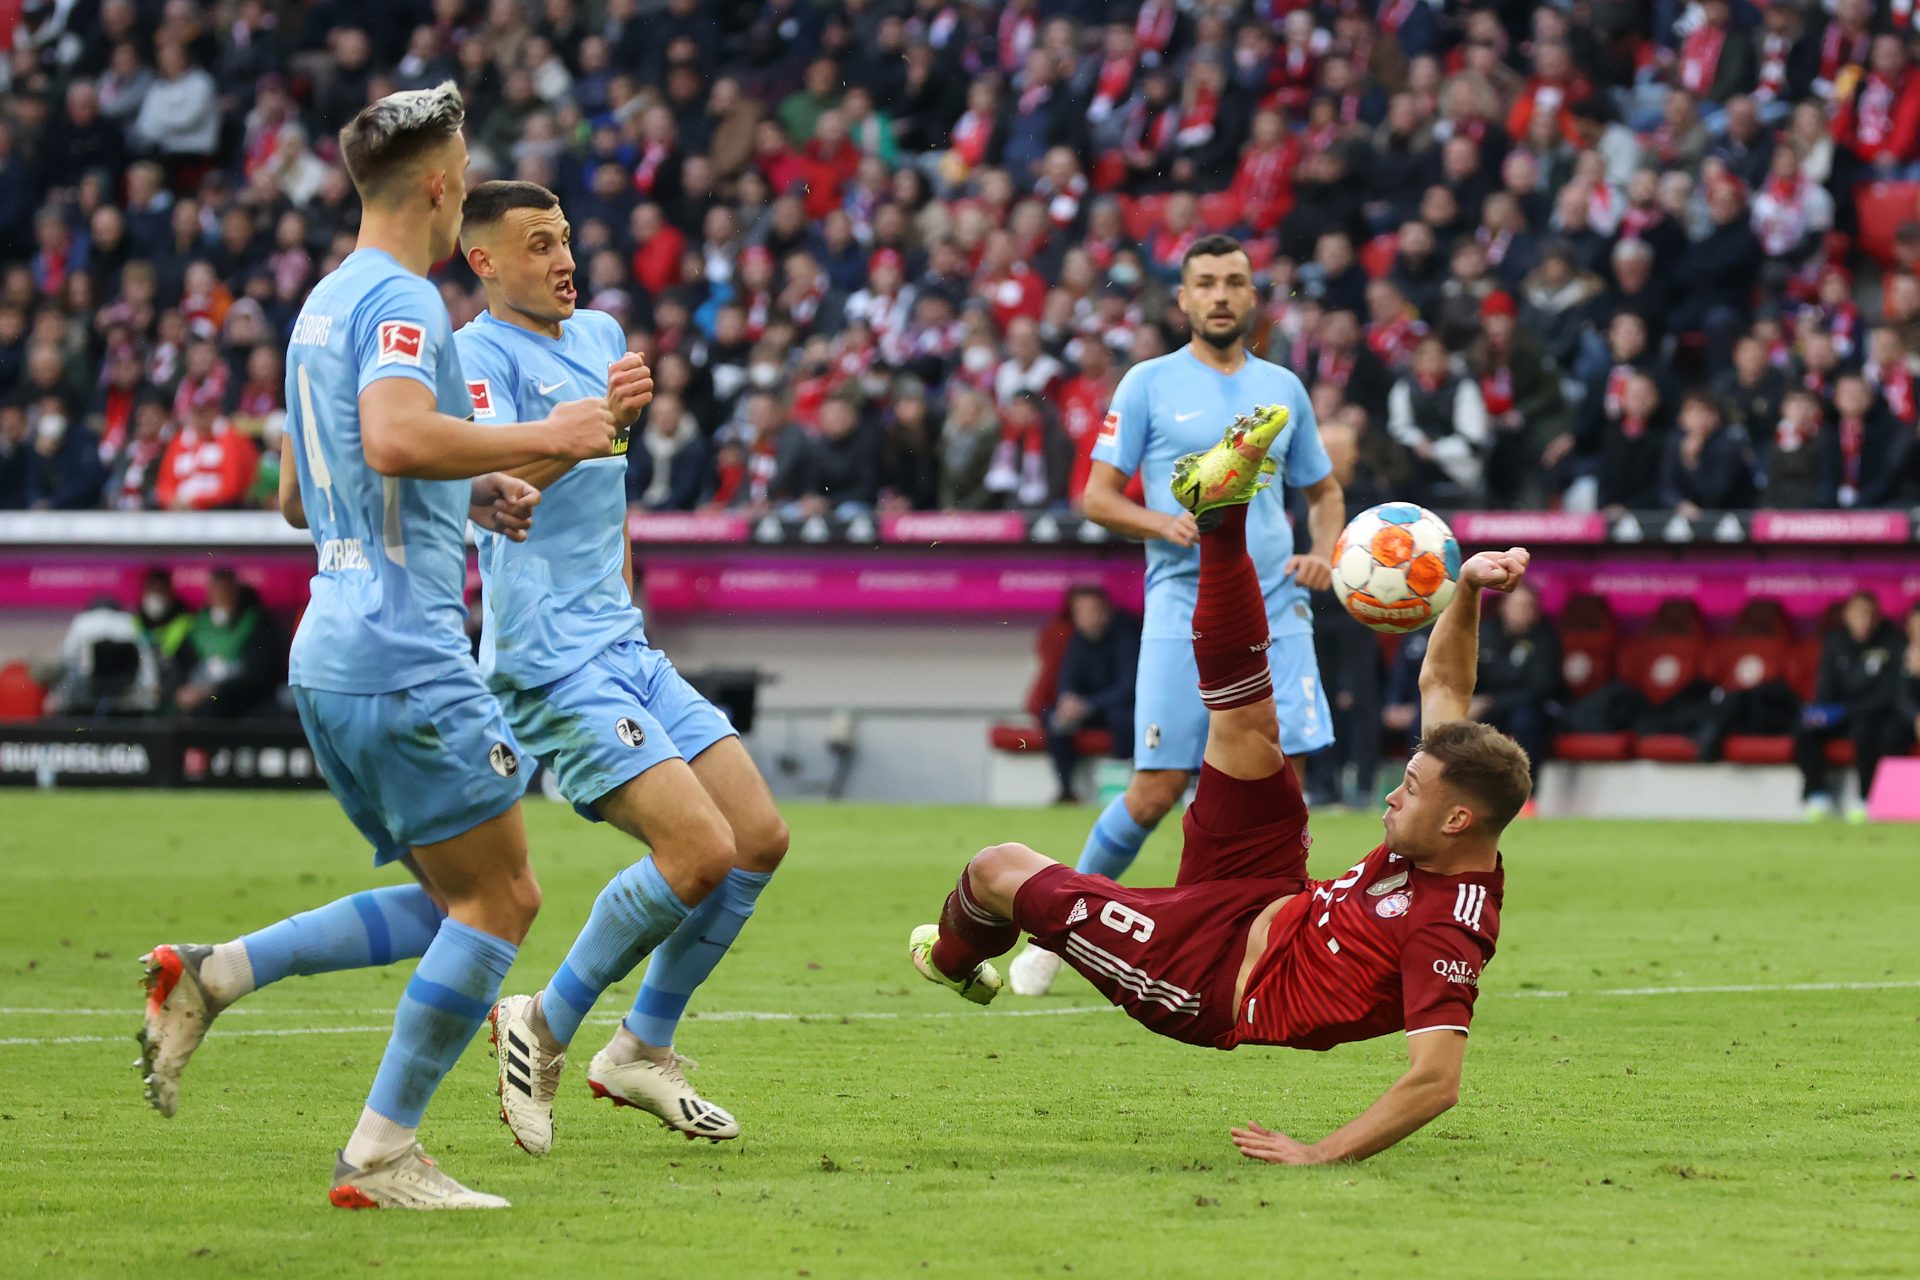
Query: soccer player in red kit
{"type": "Point", "coordinates": [1245, 948]}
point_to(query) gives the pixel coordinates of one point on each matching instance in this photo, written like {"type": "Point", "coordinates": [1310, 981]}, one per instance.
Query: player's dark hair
{"type": "Point", "coordinates": [385, 138]}
{"type": "Point", "coordinates": [1215, 246]}
{"type": "Point", "coordinates": [491, 201]}
{"type": "Point", "coordinates": [1485, 765]}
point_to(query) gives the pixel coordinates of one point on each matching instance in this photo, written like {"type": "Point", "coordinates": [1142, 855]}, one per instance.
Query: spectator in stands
{"type": "Point", "coordinates": [179, 116]}
{"type": "Point", "coordinates": [839, 470]}
{"type": "Point", "coordinates": [1794, 468]}
{"type": "Point", "coordinates": [63, 471]}
{"type": "Point", "coordinates": [967, 447]}
{"type": "Point", "coordinates": [208, 465]}
{"type": "Point", "coordinates": [1867, 448]}
{"type": "Point", "coordinates": [1437, 414]}
{"type": "Point", "coordinates": [233, 659]}
{"type": "Point", "coordinates": [1753, 388]}
{"type": "Point", "coordinates": [667, 465]}
{"type": "Point", "coordinates": [1519, 680]}
{"type": "Point", "coordinates": [1095, 686]}
{"type": "Point", "coordinates": [1708, 465]}
{"type": "Point", "coordinates": [1526, 409]}
{"type": "Point", "coordinates": [1855, 698]}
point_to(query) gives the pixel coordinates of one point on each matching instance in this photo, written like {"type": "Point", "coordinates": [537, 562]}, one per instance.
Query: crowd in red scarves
{"type": "Point", "coordinates": [896, 254]}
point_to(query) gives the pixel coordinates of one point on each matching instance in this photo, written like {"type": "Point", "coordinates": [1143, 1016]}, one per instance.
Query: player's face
{"type": "Point", "coordinates": [1216, 292]}
{"type": "Point", "coordinates": [532, 251]}
{"type": "Point", "coordinates": [1421, 812]}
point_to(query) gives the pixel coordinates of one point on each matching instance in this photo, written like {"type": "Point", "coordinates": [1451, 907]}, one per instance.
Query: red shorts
{"type": "Point", "coordinates": [1170, 956]}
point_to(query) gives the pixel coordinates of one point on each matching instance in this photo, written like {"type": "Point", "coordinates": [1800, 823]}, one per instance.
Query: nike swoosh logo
{"type": "Point", "coordinates": [547, 391]}
{"type": "Point", "coordinates": [1186, 417]}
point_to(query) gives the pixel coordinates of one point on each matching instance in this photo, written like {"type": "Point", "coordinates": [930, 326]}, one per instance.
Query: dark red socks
{"type": "Point", "coordinates": [1230, 619]}
{"type": "Point", "coordinates": [969, 933]}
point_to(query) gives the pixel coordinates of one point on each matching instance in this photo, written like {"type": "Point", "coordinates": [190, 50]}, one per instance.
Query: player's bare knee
{"type": "Point", "coordinates": [1152, 794]}
{"type": "Point", "coordinates": [996, 873]}
{"type": "Point", "coordinates": [762, 845]}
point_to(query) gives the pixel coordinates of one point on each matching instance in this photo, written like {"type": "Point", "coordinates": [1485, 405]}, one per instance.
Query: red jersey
{"type": "Point", "coordinates": [1385, 947]}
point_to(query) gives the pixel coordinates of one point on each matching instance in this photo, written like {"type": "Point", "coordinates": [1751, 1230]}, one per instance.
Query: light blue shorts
{"type": "Point", "coordinates": [612, 720]}
{"type": "Point", "coordinates": [1170, 721]}
{"type": "Point", "coordinates": [415, 766]}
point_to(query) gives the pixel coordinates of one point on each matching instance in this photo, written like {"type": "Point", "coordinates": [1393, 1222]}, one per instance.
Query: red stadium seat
{"type": "Point", "coordinates": [1109, 171]}
{"type": "Point", "coordinates": [1221, 211]}
{"type": "Point", "coordinates": [1593, 746]}
{"type": "Point", "coordinates": [1377, 255]}
{"type": "Point", "coordinates": [1882, 207]}
{"type": "Point", "coordinates": [1763, 618]}
{"type": "Point", "coordinates": [1660, 666]}
{"type": "Point", "coordinates": [1260, 253]}
{"type": "Point", "coordinates": [1028, 735]}
{"type": "Point", "coordinates": [1589, 613]}
{"type": "Point", "coordinates": [1757, 748]}
{"type": "Point", "coordinates": [21, 696]}
{"type": "Point", "coordinates": [1586, 661]}
{"type": "Point", "coordinates": [1142, 215]}
{"type": "Point", "coordinates": [1840, 753]}
{"type": "Point", "coordinates": [1678, 618]}
{"type": "Point", "coordinates": [1670, 748]}
{"type": "Point", "coordinates": [1803, 667]}
{"type": "Point", "coordinates": [1742, 661]}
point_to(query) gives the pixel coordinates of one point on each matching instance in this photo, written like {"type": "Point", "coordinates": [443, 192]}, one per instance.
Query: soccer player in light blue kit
{"type": "Point", "coordinates": [631, 742]}
{"type": "Point", "coordinates": [1163, 409]}
{"type": "Point", "coordinates": [414, 747]}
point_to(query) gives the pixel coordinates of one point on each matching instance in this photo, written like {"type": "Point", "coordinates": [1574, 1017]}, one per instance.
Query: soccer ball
{"type": "Point", "coordinates": [1394, 567]}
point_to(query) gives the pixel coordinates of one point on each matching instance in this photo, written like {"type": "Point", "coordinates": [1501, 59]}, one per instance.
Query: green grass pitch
{"type": "Point", "coordinates": [1629, 1110]}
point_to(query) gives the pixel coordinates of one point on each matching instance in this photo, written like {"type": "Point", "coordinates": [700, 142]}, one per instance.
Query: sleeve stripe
{"type": "Point", "coordinates": [1420, 1031]}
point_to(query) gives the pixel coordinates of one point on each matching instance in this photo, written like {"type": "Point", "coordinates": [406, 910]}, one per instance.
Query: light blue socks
{"type": "Point", "coordinates": [684, 960]}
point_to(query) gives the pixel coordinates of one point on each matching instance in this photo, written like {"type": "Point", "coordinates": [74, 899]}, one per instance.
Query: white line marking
{"type": "Point", "coordinates": [760, 1015]}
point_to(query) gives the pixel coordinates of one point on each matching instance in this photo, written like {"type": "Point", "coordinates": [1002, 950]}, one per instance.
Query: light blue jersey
{"type": "Point", "coordinates": [558, 599]}
{"type": "Point", "coordinates": [1174, 405]}
{"type": "Point", "coordinates": [1162, 410]}
{"type": "Point", "coordinates": [562, 642]}
{"type": "Point", "coordinates": [387, 610]}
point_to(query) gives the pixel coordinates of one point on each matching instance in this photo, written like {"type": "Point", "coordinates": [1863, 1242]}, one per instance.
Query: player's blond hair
{"type": "Point", "coordinates": [386, 137]}
{"type": "Point", "coordinates": [1485, 765]}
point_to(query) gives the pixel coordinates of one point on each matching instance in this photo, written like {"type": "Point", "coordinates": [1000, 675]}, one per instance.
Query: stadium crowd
{"type": "Point", "coordinates": [895, 254]}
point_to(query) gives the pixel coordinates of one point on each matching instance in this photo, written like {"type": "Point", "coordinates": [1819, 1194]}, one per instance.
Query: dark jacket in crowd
{"type": "Point", "coordinates": [1101, 671]}
{"type": "Point", "coordinates": [1876, 475]}
{"type": "Point", "coordinates": [1722, 478]}
{"type": "Point", "coordinates": [1518, 670]}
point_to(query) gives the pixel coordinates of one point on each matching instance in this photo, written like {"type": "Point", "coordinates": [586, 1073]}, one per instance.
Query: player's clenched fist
{"type": "Point", "coordinates": [1496, 570]}
{"type": "Point", "coordinates": [629, 387]}
{"type": "Point", "coordinates": [581, 429]}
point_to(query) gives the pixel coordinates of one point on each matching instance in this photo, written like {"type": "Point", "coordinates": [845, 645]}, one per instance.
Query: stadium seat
{"type": "Point", "coordinates": [1757, 748]}
{"type": "Point", "coordinates": [1589, 613]}
{"type": "Point", "coordinates": [21, 696]}
{"type": "Point", "coordinates": [1221, 211]}
{"type": "Point", "coordinates": [1142, 215]}
{"type": "Point", "coordinates": [1109, 171]}
{"type": "Point", "coordinates": [1669, 748]}
{"type": "Point", "coordinates": [1593, 746]}
{"type": "Point", "coordinates": [1377, 255]}
{"type": "Point", "coordinates": [1680, 617]}
{"type": "Point", "coordinates": [1803, 667]}
{"type": "Point", "coordinates": [1762, 618]}
{"type": "Point", "coordinates": [1840, 753]}
{"type": "Point", "coordinates": [1660, 666]}
{"type": "Point", "coordinates": [1586, 661]}
{"type": "Point", "coordinates": [1028, 735]}
{"type": "Point", "coordinates": [1882, 207]}
{"type": "Point", "coordinates": [1260, 252]}
{"type": "Point", "coordinates": [1742, 661]}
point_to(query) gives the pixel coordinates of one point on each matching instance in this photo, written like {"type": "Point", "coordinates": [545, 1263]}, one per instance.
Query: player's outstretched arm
{"type": "Point", "coordinates": [1430, 1086]}
{"type": "Point", "coordinates": [1106, 504]}
{"type": "Point", "coordinates": [402, 433]}
{"type": "Point", "coordinates": [1451, 667]}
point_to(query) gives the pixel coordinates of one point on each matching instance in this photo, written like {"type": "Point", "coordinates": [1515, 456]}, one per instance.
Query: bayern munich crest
{"type": "Point", "coordinates": [1394, 904]}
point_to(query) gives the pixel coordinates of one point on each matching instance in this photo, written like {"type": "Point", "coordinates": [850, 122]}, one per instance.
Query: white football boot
{"type": "Point", "coordinates": [1032, 972]}
{"type": "Point", "coordinates": [661, 1090]}
{"type": "Point", "coordinates": [529, 1075]}
{"type": "Point", "coordinates": [407, 1181]}
{"type": "Point", "coordinates": [179, 1011]}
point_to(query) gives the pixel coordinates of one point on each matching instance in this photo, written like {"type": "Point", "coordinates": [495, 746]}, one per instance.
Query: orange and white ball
{"type": "Point", "coordinates": [1395, 565]}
